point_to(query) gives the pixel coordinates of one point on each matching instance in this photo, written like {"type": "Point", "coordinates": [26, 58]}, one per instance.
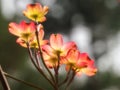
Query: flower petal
{"type": "Point", "coordinates": [36, 12]}
{"type": "Point", "coordinates": [67, 46]}
{"type": "Point", "coordinates": [14, 29]}
{"type": "Point", "coordinates": [21, 42]}
{"type": "Point", "coordinates": [56, 41]}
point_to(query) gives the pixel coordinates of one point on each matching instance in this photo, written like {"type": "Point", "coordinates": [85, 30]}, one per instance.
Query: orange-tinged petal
{"type": "Point", "coordinates": [43, 42]}
{"type": "Point", "coordinates": [56, 41]}
{"type": "Point", "coordinates": [50, 58]}
{"type": "Point", "coordinates": [21, 42]}
{"type": "Point", "coordinates": [67, 46]}
{"type": "Point", "coordinates": [89, 71]}
{"type": "Point", "coordinates": [47, 49]}
{"type": "Point", "coordinates": [14, 29]}
{"type": "Point", "coordinates": [45, 9]}
{"type": "Point", "coordinates": [40, 27]}
{"type": "Point", "coordinates": [41, 34]}
{"type": "Point", "coordinates": [41, 19]}
{"type": "Point", "coordinates": [73, 55]}
{"type": "Point", "coordinates": [71, 59]}
{"type": "Point", "coordinates": [86, 65]}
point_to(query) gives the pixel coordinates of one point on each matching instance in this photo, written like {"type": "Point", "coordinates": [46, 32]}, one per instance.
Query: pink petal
{"type": "Point", "coordinates": [41, 34]}
{"type": "Point", "coordinates": [56, 41]}
{"type": "Point", "coordinates": [66, 47]}
{"type": "Point", "coordinates": [14, 29]}
{"type": "Point", "coordinates": [47, 49]}
{"type": "Point", "coordinates": [21, 42]}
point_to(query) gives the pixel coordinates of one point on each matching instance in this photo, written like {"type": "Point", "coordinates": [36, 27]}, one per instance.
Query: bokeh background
{"type": "Point", "coordinates": [93, 24]}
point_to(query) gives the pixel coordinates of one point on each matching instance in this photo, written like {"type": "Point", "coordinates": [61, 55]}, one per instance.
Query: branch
{"type": "Point", "coordinates": [4, 80]}
{"type": "Point", "coordinates": [21, 81]}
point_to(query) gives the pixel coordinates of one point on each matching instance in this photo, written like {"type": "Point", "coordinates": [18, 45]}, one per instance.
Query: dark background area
{"type": "Point", "coordinates": [93, 24]}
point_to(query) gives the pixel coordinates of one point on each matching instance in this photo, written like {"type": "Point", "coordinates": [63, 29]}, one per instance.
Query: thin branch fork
{"type": "Point", "coordinates": [4, 80]}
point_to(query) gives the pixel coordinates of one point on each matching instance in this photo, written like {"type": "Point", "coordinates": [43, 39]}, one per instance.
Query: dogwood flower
{"type": "Point", "coordinates": [36, 12]}
{"type": "Point", "coordinates": [57, 48]}
{"type": "Point", "coordinates": [24, 31]}
{"type": "Point", "coordinates": [79, 62]}
{"type": "Point", "coordinates": [34, 43]}
{"type": "Point", "coordinates": [51, 59]}
{"type": "Point", "coordinates": [85, 65]}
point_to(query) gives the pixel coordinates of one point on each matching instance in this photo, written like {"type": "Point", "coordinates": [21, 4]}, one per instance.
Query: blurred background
{"type": "Point", "coordinates": [93, 24]}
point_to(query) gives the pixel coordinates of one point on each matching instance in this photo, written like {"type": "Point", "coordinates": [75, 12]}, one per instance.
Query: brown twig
{"type": "Point", "coordinates": [21, 81]}
{"type": "Point", "coordinates": [4, 80]}
{"type": "Point", "coordinates": [70, 81]}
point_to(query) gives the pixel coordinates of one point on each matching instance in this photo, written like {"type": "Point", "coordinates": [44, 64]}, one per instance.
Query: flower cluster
{"type": "Point", "coordinates": [53, 52]}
